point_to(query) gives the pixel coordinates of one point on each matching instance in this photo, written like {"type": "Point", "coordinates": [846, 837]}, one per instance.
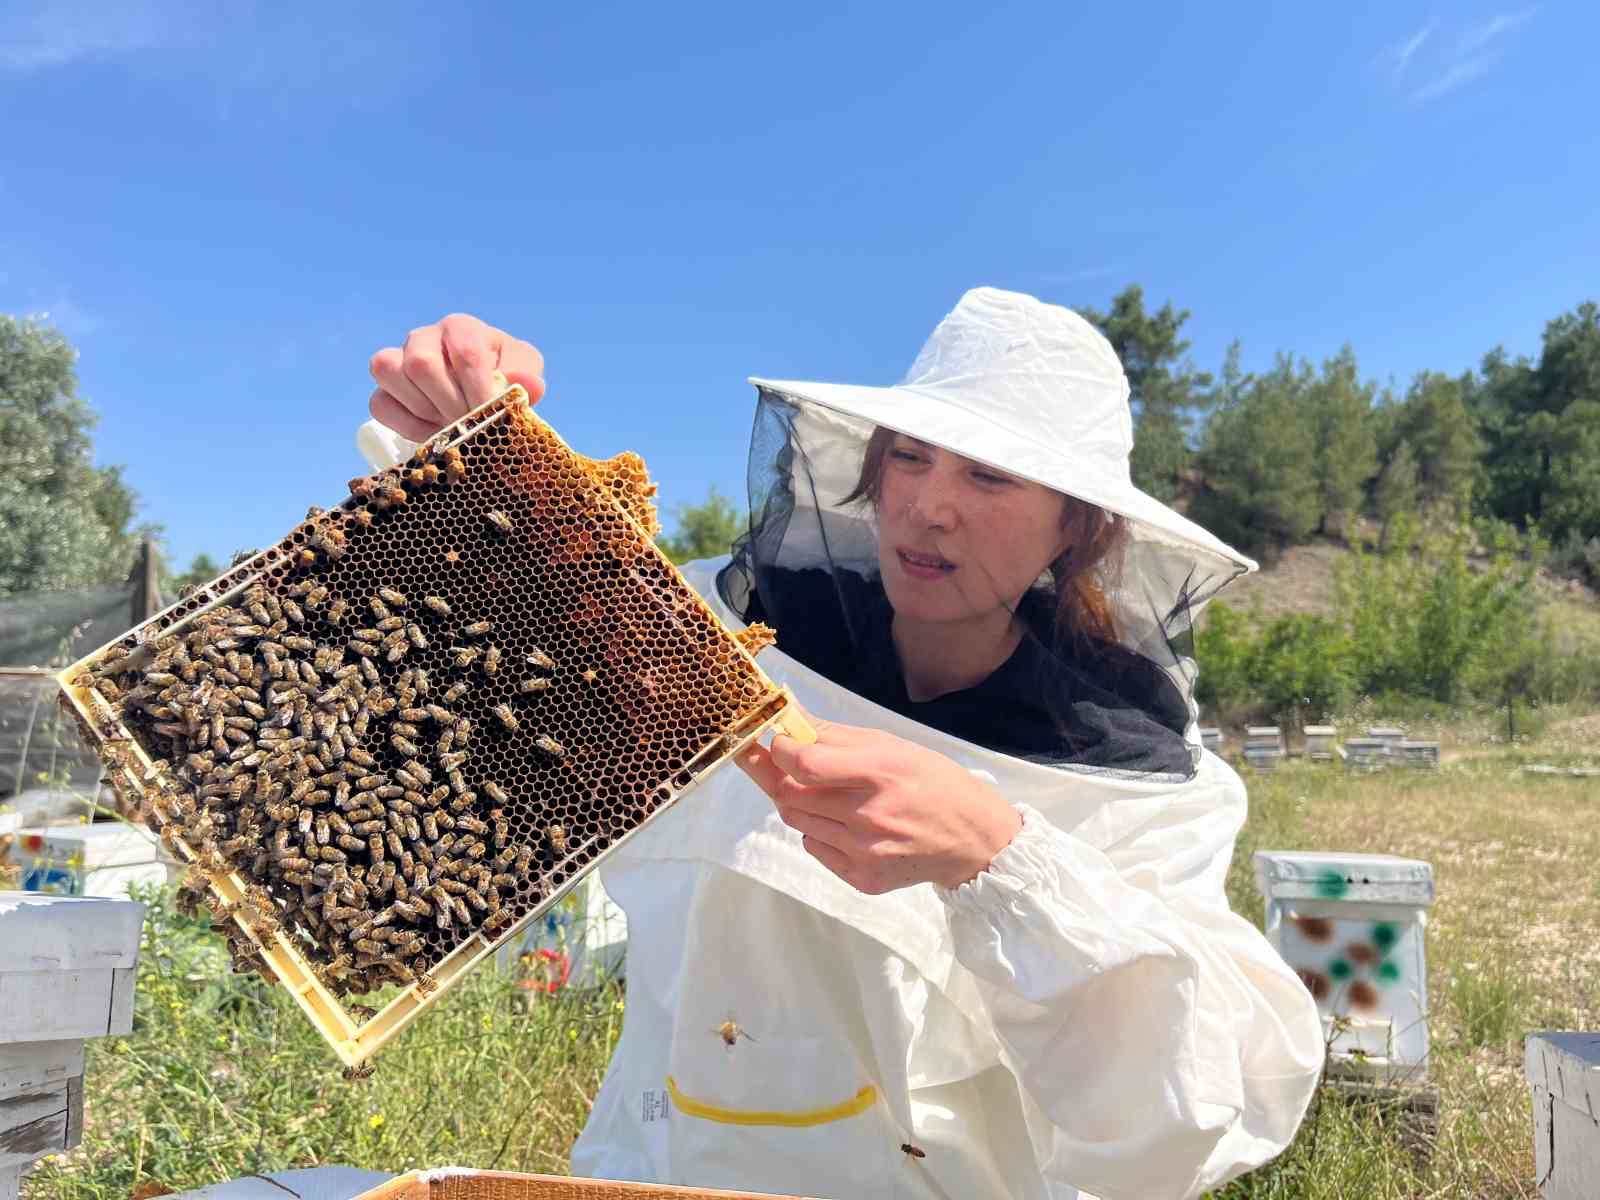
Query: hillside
{"type": "Point", "coordinates": [1302, 580]}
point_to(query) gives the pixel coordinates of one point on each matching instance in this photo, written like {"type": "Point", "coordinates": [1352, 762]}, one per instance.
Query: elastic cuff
{"type": "Point", "coordinates": [1022, 866]}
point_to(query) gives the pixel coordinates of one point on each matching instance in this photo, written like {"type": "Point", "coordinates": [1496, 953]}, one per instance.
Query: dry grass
{"type": "Point", "coordinates": [1510, 944]}
{"type": "Point", "coordinates": [1511, 949]}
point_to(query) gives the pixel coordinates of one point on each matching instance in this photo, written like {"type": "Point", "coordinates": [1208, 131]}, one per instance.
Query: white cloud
{"type": "Point", "coordinates": [1398, 56]}
{"type": "Point", "coordinates": [52, 34]}
{"type": "Point", "coordinates": [1423, 67]}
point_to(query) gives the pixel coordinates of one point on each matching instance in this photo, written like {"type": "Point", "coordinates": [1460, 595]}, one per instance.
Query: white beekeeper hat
{"type": "Point", "coordinates": [1035, 390]}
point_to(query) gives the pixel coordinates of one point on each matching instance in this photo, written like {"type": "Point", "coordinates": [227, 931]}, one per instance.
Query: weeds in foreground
{"type": "Point", "coordinates": [223, 1076]}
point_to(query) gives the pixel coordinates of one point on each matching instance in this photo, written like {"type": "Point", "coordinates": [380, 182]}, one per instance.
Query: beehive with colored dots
{"type": "Point", "coordinates": [1352, 926]}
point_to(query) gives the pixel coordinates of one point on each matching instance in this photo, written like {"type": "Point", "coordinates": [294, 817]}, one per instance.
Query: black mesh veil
{"type": "Point", "coordinates": [809, 567]}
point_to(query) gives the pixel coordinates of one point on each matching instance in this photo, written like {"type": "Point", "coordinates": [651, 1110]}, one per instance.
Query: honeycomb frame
{"type": "Point", "coordinates": [606, 792]}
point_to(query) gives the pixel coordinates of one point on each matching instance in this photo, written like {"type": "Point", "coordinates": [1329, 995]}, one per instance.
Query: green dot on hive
{"type": "Point", "coordinates": [1339, 969]}
{"type": "Point", "coordinates": [1332, 885]}
{"type": "Point", "coordinates": [1389, 972]}
{"type": "Point", "coordinates": [1384, 935]}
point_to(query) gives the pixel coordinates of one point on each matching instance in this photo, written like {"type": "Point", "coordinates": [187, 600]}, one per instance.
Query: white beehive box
{"type": "Point", "coordinates": [1365, 753]}
{"type": "Point", "coordinates": [1319, 742]}
{"type": "Point", "coordinates": [1352, 926]}
{"type": "Point", "coordinates": [66, 974]}
{"type": "Point", "coordinates": [90, 860]}
{"type": "Point", "coordinates": [1392, 734]}
{"type": "Point", "coordinates": [1263, 746]}
{"type": "Point", "coordinates": [1419, 754]}
{"type": "Point", "coordinates": [1563, 1072]}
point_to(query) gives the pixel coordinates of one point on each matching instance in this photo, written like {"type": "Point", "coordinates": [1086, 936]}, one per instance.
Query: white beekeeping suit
{"type": "Point", "coordinates": [1086, 1017]}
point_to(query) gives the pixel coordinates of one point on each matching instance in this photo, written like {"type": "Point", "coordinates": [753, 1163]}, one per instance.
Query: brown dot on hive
{"type": "Point", "coordinates": [1313, 929]}
{"type": "Point", "coordinates": [1363, 995]}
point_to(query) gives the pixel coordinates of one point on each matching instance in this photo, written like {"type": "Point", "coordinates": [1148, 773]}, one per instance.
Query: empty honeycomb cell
{"type": "Point", "coordinates": [318, 804]}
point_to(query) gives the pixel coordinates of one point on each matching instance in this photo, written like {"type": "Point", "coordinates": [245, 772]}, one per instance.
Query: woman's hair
{"type": "Point", "coordinates": [1082, 612]}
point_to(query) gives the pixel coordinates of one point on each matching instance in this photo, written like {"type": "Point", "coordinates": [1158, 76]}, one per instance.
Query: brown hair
{"type": "Point", "coordinates": [1082, 611]}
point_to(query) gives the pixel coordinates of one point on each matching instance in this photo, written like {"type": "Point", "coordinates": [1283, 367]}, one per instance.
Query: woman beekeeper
{"type": "Point", "coordinates": [973, 942]}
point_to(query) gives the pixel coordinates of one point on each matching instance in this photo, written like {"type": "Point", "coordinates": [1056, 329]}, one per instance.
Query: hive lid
{"type": "Point", "coordinates": [1567, 1065]}
{"type": "Point", "coordinates": [67, 933]}
{"type": "Point", "coordinates": [1370, 878]}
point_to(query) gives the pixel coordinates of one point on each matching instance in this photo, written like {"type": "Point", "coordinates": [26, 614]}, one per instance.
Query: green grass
{"type": "Point", "coordinates": [222, 1076]}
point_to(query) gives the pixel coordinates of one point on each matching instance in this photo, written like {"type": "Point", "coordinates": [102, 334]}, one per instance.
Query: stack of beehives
{"type": "Point", "coordinates": [1263, 746]}
{"type": "Point", "coordinates": [66, 975]}
{"type": "Point", "coordinates": [1423, 755]}
{"type": "Point", "coordinates": [1365, 753]}
{"type": "Point", "coordinates": [1319, 742]}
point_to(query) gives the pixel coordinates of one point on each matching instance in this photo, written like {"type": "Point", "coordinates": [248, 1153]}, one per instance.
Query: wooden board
{"type": "Point", "coordinates": [35, 1066]}
{"type": "Point", "coordinates": [34, 1124]}
{"type": "Point", "coordinates": [1563, 1071]}
{"type": "Point", "coordinates": [38, 1006]}
{"type": "Point", "coordinates": [461, 1184]}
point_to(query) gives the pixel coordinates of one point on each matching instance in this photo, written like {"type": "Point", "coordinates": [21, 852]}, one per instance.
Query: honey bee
{"type": "Point", "coordinates": [451, 762]}
{"type": "Point", "coordinates": [550, 746]}
{"type": "Point", "coordinates": [414, 633]}
{"type": "Point", "coordinates": [436, 605]}
{"type": "Point", "coordinates": [491, 660]}
{"type": "Point", "coordinates": [397, 651]}
{"type": "Point", "coordinates": [456, 691]}
{"type": "Point", "coordinates": [533, 683]}
{"type": "Point", "coordinates": [359, 1073]}
{"type": "Point", "coordinates": [362, 518]}
{"type": "Point", "coordinates": [538, 658]}
{"type": "Point", "coordinates": [380, 610]}
{"type": "Point", "coordinates": [390, 496]}
{"type": "Point", "coordinates": [426, 984]}
{"type": "Point", "coordinates": [730, 1032]}
{"type": "Point", "coordinates": [391, 596]}
{"type": "Point", "coordinates": [912, 1152]}
{"type": "Point", "coordinates": [495, 792]}
{"type": "Point", "coordinates": [501, 523]}
{"type": "Point", "coordinates": [477, 628]}
{"type": "Point", "coordinates": [507, 718]}
{"type": "Point", "coordinates": [305, 557]}
{"type": "Point", "coordinates": [464, 656]}
{"type": "Point", "coordinates": [557, 837]}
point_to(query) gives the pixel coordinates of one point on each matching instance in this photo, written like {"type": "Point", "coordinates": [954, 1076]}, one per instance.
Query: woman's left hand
{"type": "Point", "coordinates": [881, 812]}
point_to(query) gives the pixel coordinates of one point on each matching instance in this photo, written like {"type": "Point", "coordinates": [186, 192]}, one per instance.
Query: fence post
{"type": "Point", "coordinates": [146, 580]}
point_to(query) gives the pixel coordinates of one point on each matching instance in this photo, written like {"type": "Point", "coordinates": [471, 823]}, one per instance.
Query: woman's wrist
{"type": "Point", "coordinates": [999, 824]}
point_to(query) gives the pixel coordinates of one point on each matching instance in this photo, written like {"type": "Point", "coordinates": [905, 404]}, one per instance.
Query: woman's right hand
{"type": "Point", "coordinates": [447, 369]}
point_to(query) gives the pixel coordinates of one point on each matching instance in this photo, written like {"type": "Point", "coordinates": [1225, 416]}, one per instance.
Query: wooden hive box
{"type": "Point", "coordinates": [66, 974]}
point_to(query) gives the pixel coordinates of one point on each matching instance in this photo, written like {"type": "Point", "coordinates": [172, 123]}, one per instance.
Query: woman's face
{"type": "Point", "coordinates": [958, 540]}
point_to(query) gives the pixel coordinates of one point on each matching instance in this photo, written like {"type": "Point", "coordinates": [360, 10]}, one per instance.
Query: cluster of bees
{"type": "Point", "coordinates": [293, 742]}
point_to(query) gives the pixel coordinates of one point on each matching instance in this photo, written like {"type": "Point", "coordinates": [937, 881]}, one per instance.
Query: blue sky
{"type": "Point", "coordinates": [228, 207]}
